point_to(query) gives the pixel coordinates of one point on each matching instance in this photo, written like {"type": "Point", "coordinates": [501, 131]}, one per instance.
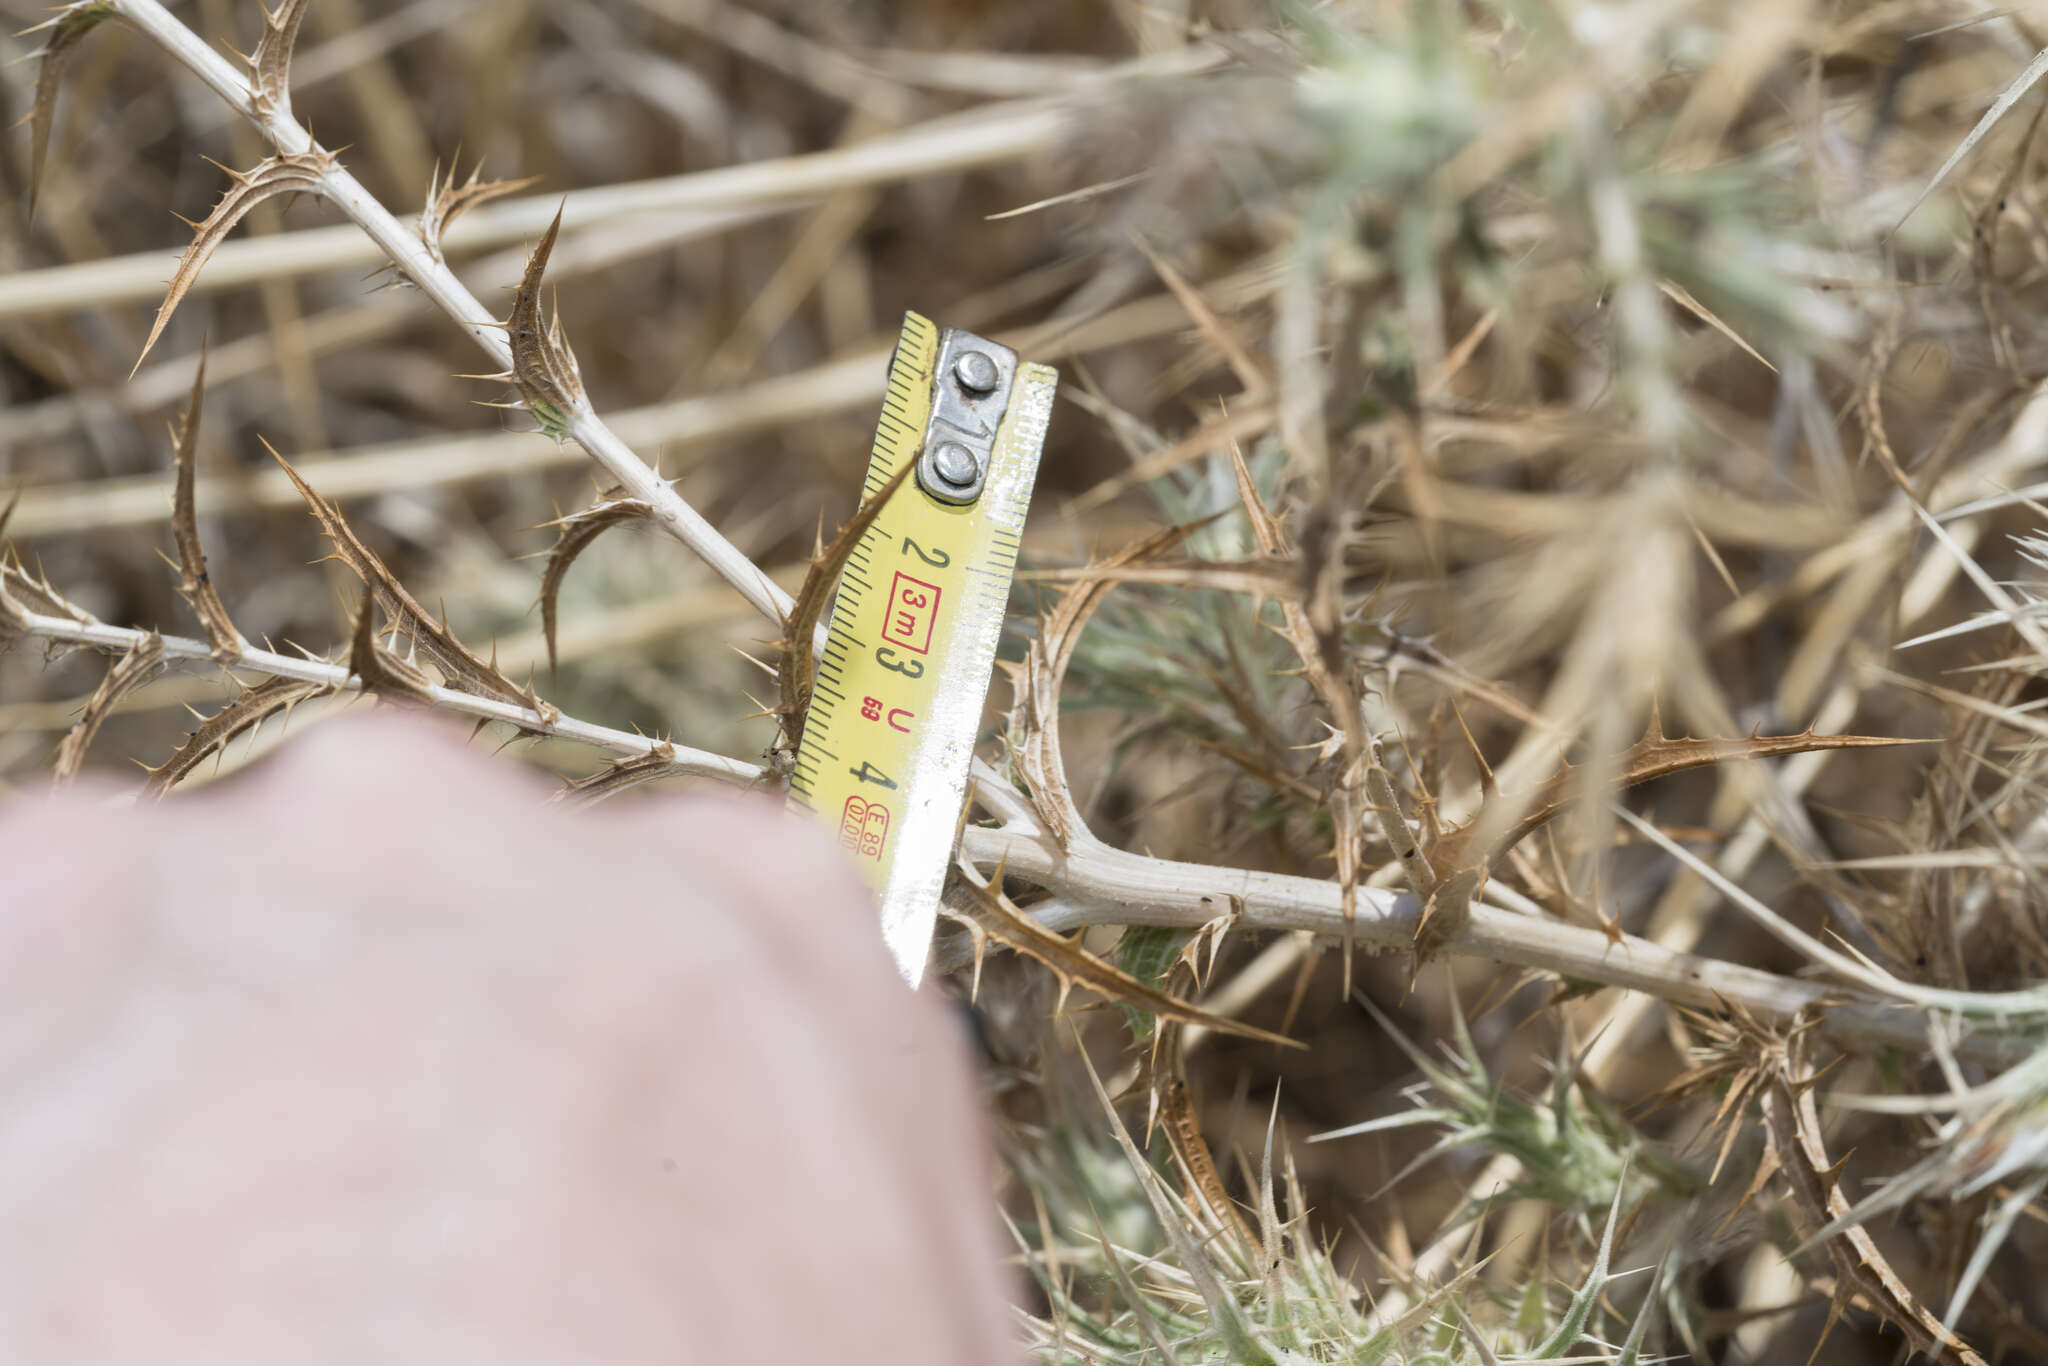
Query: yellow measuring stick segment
{"type": "Point", "coordinates": [905, 669]}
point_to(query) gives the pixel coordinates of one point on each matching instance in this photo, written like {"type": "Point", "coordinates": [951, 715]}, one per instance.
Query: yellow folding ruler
{"type": "Point", "coordinates": [890, 734]}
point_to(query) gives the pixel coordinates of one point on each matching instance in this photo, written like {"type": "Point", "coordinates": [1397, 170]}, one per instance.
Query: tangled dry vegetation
{"type": "Point", "coordinates": [1537, 577]}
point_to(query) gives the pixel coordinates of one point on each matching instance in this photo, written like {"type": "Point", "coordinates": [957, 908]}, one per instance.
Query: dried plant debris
{"type": "Point", "coordinates": [2013, 93]}
{"type": "Point", "coordinates": [461, 668]}
{"type": "Point", "coordinates": [1310, 625]}
{"type": "Point", "coordinates": [1034, 733]}
{"type": "Point", "coordinates": [1263, 578]}
{"type": "Point", "coordinates": [996, 917]}
{"type": "Point", "coordinates": [797, 673]}
{"type": "Point", "coordinates": [193, 581]}
{"type": "Point", "coordinates": [135, 667]}
{"type": "Point", "coordinates": [448, 199]}
{"type": "Point", "coordinates": [274, 697]}
{"type": "Point", "coordinates": [284, 174]}
{"type": "Point", "coordinates": [67, 28]}
{"type": "Point", "coordinates": [1864, 1279]}
{"type": "Point", "coordinates": [380, 672]}
{"type": "Point", "coordinates": [579, 530]}
{"type": "Point", "coordinates": [1464, 856]}
{"type": "Point", "coordinates": [1174, 1111]}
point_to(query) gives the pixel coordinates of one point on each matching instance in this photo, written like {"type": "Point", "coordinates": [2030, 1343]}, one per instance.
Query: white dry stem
{"type": "Point", "coordinates": [438, 283]}
{"type": "Point", "coordinates": [688, 762]}
{"type": "Point", "coordinates": [1098, 884]}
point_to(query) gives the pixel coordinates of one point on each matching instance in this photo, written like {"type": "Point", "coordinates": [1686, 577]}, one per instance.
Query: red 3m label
{"type": "Point", "coordinates": [913, 607]}
{"type": "Point", "coordinates": [862, 827]}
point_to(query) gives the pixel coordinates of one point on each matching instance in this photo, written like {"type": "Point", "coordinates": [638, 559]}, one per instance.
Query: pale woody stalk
{"type": "Point", "coordinates": [1100, 884]}
{"type": "Point", "coordinates": [411, 256]}
{"type": "Point", "coordinates": [687, 762]}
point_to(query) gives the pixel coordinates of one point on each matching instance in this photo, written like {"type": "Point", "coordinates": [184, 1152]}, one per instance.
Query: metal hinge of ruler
{"type": "Point", "coordinates": [905, 669]}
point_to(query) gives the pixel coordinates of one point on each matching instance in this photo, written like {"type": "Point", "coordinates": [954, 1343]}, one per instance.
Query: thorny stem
{"type": "Point", "coordinates": [1102, 885]}
{"type": "Point", "coordinates": [410, 255]}
{"type": "Point", "coordinates": [439, 284]}
{"type": "Point", "coordinates": [688, 762]}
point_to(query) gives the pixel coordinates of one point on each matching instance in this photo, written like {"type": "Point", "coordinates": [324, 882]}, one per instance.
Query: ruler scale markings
{"type": "Point", "coordinates": [918, 615]}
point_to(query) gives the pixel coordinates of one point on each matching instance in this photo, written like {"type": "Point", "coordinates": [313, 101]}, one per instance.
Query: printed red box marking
{"type": "Point", "coordinates": [863, 825]}
{"type": "Point", "coordinates": [913, 608]}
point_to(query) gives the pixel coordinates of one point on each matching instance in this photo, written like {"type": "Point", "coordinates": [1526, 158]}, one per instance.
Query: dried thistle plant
{"type": "Point", "coordinates": [1503, 380]}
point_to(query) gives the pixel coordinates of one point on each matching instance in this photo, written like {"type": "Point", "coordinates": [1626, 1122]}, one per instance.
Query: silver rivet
{"type": "Point", "coordinates": [976, 373]}
{"type": "Point", "coordinates": [955, 464]}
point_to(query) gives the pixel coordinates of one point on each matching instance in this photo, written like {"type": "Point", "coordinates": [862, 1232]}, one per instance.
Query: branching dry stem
{"type": "Point", "coordinates": [423, 267]}
{"type": "Point", "coordinates": [338, 677]}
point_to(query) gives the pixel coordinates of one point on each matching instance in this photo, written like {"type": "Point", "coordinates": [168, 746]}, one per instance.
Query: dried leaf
{"type": "Point", "coordinates": [377, 669]}
{"type": "Point", "coordinates": [298, 173]}
{"type": "Point", "coordinates": [620, 775]}
{"type": "Point", "coordinates": [1238, 1339]}
{"type": "Point", "coordinates": [579, 530]}
{"type": "Point", "coordinates": [1034, 730]}
{"type": "Point", "coordinates": [463, 670]}
{"type": "Point", "coordinates": [1465, 859]}
{"type": "Point", "coordinates": [1792, 1135]}
{"type": "Point", "coordinates": [1176, 1110]}
{"type": "Point", "coordinates": [67, 29]}
{"type": "Point", "coordinates": [1003, 922]}
{"type": "Point", "coordinates": [135, 667]}
{"type": "Point", "coordinates": [194, 582]}
{"type": "Point", "coordinates": [1184, 1136]}
{"type": "Point", "coordinates": [272, 697]}
{"type": "Point", "coordinates": [796, 674]}
{"type": "Point", "coordinates": [272, 63]}
{"type": "Point", "coordinates": [448, 200]}
{"type": "Point", "coordinates": [1463, 863]}
{"type": "Point", "coordinates": [543, 367]}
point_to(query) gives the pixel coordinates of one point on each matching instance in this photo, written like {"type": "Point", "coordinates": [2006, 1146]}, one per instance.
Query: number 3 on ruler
{"type": "Point", "coordinates": [889, 659]}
